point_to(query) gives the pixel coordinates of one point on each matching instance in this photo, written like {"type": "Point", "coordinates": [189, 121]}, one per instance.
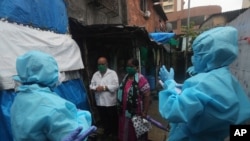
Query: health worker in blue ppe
{"type": "Point", "coordinates": [38, 113]}
{"type": "Point", "coordinates": [211, 100]}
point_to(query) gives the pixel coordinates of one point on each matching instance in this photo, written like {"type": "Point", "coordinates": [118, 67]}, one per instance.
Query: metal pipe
{"type": "Point", "coordinates": [187, 36]}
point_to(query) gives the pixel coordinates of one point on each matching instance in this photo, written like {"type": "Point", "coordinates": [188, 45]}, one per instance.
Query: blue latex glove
{"type": "Point", "coordinates": [191, 71]}
{"type": "Point", "coordinates": [76, 136]}
{"type": "Point", "coordinates": [165, 75]}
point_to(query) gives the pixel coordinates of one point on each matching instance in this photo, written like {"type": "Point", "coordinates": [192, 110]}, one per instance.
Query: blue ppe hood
{"type": "Point", "coordinates": [35, 67]}
{"type": "Point", "coordinates": [209, 46]}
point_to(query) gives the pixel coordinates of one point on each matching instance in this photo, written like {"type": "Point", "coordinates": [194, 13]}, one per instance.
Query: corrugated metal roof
{"type": "Point", "coordinates": [109, 31]}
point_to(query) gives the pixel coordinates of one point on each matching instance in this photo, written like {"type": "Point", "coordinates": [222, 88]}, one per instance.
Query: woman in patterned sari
{"type": "Point", "coordinates": [133, 99]}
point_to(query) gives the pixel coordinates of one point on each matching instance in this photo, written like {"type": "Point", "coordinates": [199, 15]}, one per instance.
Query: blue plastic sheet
{"type": "Point", "coordinates": [6, 100]}
{"type": "Point", "coordinates": [75, 92]}
{"type": "Point", "coordinates": [43, 14]}
{"type": "Point", "coordinates": [161, 37]}
{"type": "Point", "coordinates": [72, 90]}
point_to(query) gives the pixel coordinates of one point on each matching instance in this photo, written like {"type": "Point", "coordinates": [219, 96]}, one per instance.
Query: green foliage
{"type": "Point", "coordinates": [190, 32]}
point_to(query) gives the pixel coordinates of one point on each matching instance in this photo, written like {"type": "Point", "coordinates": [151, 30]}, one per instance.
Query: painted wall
{"type": "Point", "coordinates": [241, 67]}
{"type": "Point", "coordinates": [88, 13]}
{"type": "Point", "coordinates": [129, 13]}
{"type": "Point", "coordinates": [177, 17]}
{"type": "Point", "coordinates": [215, 21]}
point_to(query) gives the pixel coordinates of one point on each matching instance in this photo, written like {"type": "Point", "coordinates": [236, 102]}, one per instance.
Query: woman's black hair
{"type": "Point", "coordinates": [135, 62]}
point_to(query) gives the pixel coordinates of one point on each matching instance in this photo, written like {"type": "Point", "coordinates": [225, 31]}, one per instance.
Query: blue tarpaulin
{"type": "Point", "coordinates": [74, 91]}
{"type": "Point", "coordinates": [46, 15]}
{"type": "Point", "coordinates": [6, 100]}
{"type": "Point", "coordinates": [43, 14]}
{"type": "Point", "coordinates": [161, 37]}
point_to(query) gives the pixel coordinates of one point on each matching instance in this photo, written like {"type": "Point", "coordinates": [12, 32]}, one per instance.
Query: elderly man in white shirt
{"type": "Point", "coordinates": [104, 84]}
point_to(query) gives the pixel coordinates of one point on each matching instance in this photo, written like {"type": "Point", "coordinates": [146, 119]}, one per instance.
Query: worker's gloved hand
{"type": "Point", "coordinates": [165, 75]}
{"type": "Point", "coordinates": [74, 135]}
{"type": "Point", "coordinates": [191, 71]}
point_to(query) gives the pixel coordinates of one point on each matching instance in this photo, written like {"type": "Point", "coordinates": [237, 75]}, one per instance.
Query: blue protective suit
{"type": "Point", "coordinates": [37, 113]}
{"type": "Point", "coordinates": [211, 100]}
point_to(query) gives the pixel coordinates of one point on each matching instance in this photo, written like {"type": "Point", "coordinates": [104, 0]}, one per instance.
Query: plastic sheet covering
{"type": "Point", "coordinates": [43, 14]}
{"type": "Point", "coordinates": [161, 37]}
{"type": "Point", "coordinates": [6, 100]}
{"type": "Point", "coordinates": [75, 92]}
{"type": "Point", "coordinates": [72, 90]}
{"type": "Point", "coordinates": [15, 40]}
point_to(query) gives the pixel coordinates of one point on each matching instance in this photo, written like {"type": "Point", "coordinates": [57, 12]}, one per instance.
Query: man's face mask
{"type": "Point", "coordinates": [102, 68]}
{"type": "Point", "coordinates": [131, 70]}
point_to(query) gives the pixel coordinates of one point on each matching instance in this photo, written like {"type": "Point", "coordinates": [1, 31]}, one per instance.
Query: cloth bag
{"type": "Point", "coordinates": [141, 125]}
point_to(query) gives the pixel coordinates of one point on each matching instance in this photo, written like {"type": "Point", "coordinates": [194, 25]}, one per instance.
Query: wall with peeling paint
{"type": "Point", "coordinates": [241, 66]}
{"type": "Point", "coordinates": [88, 12]}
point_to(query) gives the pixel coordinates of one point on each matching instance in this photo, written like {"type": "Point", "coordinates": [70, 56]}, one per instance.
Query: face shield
{"type": "Point", "coordinates": [198, 61]}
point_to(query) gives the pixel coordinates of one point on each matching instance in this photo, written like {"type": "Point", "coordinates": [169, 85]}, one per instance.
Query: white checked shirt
{"type": "Point", "coordinates": [110, 80]}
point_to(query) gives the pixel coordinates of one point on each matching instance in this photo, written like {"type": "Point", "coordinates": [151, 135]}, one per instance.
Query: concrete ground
{"type": "Point", "coordinates": [155, 134]}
